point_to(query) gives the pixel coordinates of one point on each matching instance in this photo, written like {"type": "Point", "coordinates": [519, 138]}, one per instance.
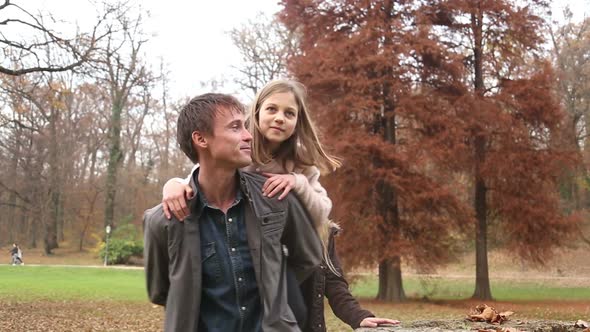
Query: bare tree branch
{"type": "Point", "coordinates": [79, 49]}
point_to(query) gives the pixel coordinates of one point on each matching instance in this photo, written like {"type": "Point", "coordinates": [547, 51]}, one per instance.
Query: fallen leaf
{"type": "Point", "coordinates": [581, 323]}
{"type": "Point", "coordinates": [485, 313]}
{"type": "Point", "coordinates": [507, 314]}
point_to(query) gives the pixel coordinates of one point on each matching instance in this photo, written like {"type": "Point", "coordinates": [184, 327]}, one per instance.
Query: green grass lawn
{"type": "Point", "coordinates": [49, 282]}
{"type": "Point", "coordinates": [453, 289]}
{"type": "Point", "coordinates": [26, 283]}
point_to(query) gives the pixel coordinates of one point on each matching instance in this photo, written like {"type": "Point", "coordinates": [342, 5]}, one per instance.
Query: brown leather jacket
{"type": "Point", "coordinates": [325, 283]}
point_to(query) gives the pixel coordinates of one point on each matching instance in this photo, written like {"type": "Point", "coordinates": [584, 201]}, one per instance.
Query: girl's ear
{"type": "Point", "coordinates": [199, 140]}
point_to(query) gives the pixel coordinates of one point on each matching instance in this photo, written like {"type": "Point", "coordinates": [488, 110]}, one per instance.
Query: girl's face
{"type": "Point", "coordinates": [277, 118]}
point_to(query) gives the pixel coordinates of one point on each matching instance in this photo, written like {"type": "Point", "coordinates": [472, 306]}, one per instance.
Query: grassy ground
{"type": "Point", "coordinates": [32, 283]}
{"type": "Point", "coordinates": [508, 289]}
{"type": "Point", "coordinates": [33, 298]}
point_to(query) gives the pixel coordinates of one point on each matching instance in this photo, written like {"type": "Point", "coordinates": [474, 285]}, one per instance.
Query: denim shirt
{"type": "Point", "coordinates": [230, 298]}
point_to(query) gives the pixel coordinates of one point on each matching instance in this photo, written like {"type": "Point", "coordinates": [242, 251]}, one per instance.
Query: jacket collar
{"type": "Point", "coordinates": [195, 205]}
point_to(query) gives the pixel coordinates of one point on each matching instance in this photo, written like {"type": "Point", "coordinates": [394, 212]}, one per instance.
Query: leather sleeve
{"type": "Point", "coordinates": [155, 253]}
{"type": "Point", "coordinates": [343, 304]}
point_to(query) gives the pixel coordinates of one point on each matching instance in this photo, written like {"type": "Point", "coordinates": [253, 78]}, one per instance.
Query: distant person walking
{"type": "Point", "coordinates": [16, 255]}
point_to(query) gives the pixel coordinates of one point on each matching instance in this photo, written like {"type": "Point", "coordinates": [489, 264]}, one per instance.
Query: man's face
{"type": "Point", "coordinates": [230, 142]}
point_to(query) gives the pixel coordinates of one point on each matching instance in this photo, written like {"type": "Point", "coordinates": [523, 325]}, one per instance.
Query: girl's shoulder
{"type": "Point", "coordinates": [307, 170]}
{"type": "Point", "coordinates": [273, 166]}
{"type": "Point", "coordinates": [280, 167]}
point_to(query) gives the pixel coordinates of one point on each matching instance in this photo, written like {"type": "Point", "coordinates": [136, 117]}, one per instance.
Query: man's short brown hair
{"type": "Point", "coordinates": [198, 115]}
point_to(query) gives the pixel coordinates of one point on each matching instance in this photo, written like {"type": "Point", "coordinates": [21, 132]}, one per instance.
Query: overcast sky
{"type": "Point", "coordinates": [191, 36]}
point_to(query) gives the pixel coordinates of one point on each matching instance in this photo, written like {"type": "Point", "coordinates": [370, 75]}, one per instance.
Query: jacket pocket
{"type": "Point", "coordinates": [273, 222]}
{"type": "Point", "coordinates": [210, 263]}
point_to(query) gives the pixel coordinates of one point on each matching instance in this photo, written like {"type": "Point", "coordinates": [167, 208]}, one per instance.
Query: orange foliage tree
{"type": "Point", "coordinates": [407, 95]}
{"type": "Point", "coordinates": [511, 121]}
{"type": "Point", "coordinates": [390, 198]}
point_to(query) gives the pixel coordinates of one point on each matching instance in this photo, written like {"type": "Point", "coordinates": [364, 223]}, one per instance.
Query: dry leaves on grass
{"type": "Point", "coordinates": [79, 316]}
{"type": "Point", "coordinates": [582, 324]}
{"type": "Point", "coordinates": [485, 313]}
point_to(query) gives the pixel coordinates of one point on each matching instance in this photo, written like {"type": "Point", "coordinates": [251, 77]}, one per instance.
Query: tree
{"type": "Point", "coordinates": [510, 117]}
{"type": "Point", "coordinates": [28, 55]}
{"type": "Point", "coordinates": [59, 130]}
{"type": "Point", "coordinates": [427, 90]}
{"type": "Point", "coordinates": [570, 52]}
{"type": "Point", "coordinates": [265, 45]}
{"type": "Point", "coordinates": [357, 62]}
{"type": "Point", "coordinates": [120, 61]}
{"type": "Point", "coordinates": [571, 45]}
{"type": "Point", "coordinates": [45, 100]}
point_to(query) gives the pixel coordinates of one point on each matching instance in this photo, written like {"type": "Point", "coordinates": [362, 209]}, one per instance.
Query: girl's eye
{"type": "Point", "coordinates": [290, 114]}
{"type": "Point", "coordinates": [270, 108]}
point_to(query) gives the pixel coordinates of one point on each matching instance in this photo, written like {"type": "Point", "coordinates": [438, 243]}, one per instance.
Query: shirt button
{"type": "Point", "coordinates": [319, 295]}
{"type": "Point", "coordinates": [230, 219]}
{"type": "Point", "coordinates": [233, 249]}
{"type": "Point", "coordinates": [240, 279]}
{"type": "Point", "coordinates": [243, 308]}
{"type": "Point", "coordinates": [320, 325]}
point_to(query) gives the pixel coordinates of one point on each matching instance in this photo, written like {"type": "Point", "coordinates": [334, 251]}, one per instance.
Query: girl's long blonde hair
{"type": "Point", "coordinates": [303, 148]}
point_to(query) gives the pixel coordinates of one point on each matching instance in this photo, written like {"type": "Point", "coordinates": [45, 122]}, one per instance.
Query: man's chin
{"type": "Point", "coordinates": [245, 162]}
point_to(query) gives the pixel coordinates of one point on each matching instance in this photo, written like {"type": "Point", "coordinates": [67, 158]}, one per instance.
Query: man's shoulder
{"type": "Point", "coordinates": [155, 216]}
{"type": "Point", "coordinates": [263, 204]}
{"type": "Point", "coordinates": [254, 179]}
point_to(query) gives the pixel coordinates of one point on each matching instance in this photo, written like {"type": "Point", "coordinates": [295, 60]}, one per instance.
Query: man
{"type": "Point", "coordinates": [224, 267]}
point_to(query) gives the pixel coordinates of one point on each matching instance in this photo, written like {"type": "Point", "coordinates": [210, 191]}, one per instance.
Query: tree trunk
{"type": "Point", "coordinates": [11, 217]}
{"type": "Point", "coordinates": [13, 171]}
{"type": "Point", "coordinates": [51, 228]}
{"type": "Point", "coordinates": [60, 217]}
{"type": "Point", "coordinates": [32, 230]}
{"type": "Point", "coordinates": [482, 279]}
{"type": "Point", "coordinates": [390, 275]}
{"type": "Point", "coordinates": [391, 288]}
{"type": "Point", "coordinates": [164, 163]}
{"type": "Point", "coordinates": [115, 157]}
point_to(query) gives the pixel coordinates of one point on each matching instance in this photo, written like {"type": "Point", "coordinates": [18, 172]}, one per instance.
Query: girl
{"type": "Point", "coordinates": [287, 150]}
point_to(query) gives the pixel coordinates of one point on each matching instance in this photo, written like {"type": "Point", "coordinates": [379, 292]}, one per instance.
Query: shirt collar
{"type": "Point", "coordinates": [198, 202]}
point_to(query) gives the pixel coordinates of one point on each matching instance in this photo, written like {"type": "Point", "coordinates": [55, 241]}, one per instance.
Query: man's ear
{"type": "Point", "coordinates": [199, 140]}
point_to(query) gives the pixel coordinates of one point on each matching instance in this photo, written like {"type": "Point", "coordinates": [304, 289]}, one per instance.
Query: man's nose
{"type": "Point", "coordinates": [246, 136]}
